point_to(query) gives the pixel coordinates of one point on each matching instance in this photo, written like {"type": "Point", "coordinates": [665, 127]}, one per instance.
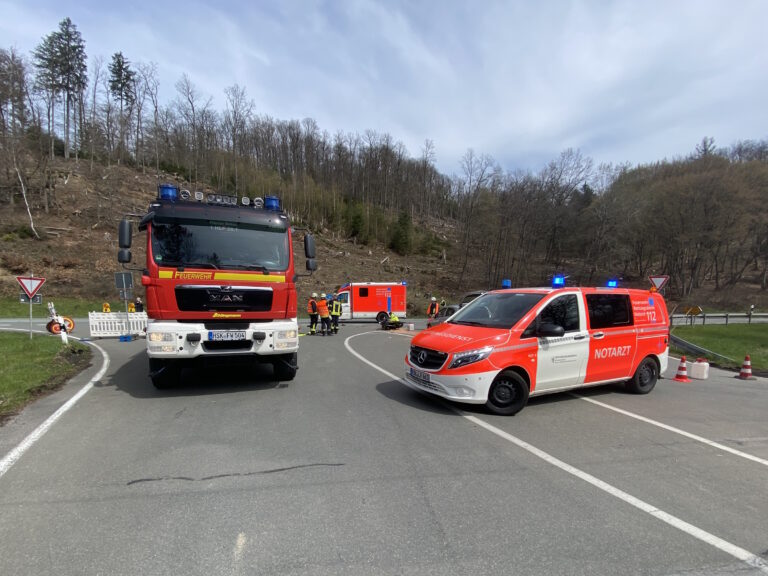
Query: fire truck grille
{"type": "Point", "coordinates": [213, 298]}
{"type": "Point", "coordinates": [426, 358]}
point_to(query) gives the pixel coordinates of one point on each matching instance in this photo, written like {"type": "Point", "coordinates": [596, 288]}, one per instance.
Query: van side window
{"type": "Point", "coordinates": [608, 310]}
{"type": "Point", "coordinates": [363, 292]}
{"type": "Point", "coordinates": [563, 311]}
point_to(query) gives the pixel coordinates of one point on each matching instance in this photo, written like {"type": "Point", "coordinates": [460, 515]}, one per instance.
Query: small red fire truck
{"type": "Point", "coordinates": [373, 300]}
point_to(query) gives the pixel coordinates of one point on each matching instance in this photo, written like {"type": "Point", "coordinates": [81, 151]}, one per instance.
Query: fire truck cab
{"type": "Point", "coordinates": [507, 345]}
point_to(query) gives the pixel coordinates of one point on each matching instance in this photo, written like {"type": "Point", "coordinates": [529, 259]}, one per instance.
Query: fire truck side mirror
{"type": "Point", "coordinates": [124, 233]}
{"type": "Point", "coordinates": [123, 256]}
{"type": "Point", "coordinates": [309, 248]}
{"type": "Point", "coordinates": [311, 264]}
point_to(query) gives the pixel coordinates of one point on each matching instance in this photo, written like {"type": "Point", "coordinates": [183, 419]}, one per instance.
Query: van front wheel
{"type": "Point", "coordinates": [508, 394]}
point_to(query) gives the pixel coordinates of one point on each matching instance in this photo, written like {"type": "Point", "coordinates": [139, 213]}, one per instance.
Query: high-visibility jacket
{"type": "Point", "coordinates": [322, 308]}
{"type": "Point", "coordinates": [336, 308]}
{"type": "Point", "coordinates": [432, 309]}
{"type": "Point", "coordinates": [312, 306]}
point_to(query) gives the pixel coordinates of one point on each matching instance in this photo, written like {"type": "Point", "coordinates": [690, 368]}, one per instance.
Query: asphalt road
{"type": "Point", "coordinates": [346, 471]}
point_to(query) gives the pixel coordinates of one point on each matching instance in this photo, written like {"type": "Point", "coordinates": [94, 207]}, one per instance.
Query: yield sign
{"type": "Point", "coordinates": [658, 281]}
{"type": "Point", "coordinates": [30, 284]}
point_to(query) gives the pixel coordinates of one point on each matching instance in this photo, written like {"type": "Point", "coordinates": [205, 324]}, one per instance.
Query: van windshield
{"type": "Point", "coordinates": [496, 310]}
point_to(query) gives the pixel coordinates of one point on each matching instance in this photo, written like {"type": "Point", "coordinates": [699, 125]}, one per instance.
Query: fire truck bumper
{"type": "Point", "coordinates": [191, 340]}
{"type": "Point", "coordinates": [467, 388]}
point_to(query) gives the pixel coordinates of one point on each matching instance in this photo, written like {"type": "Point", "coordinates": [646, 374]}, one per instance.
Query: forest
{"type": "Point", "coordinates": [700, 218]}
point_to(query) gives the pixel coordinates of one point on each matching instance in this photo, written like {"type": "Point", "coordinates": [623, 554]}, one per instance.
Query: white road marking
{"type": "Point", "coordinates": [237, 552]}
{"type": "Point", "coordinates": [669, 428]}
{"type": "Point", "coordinates": [707, 537]}
{"type": "Point", "coordinates": [13, 456]}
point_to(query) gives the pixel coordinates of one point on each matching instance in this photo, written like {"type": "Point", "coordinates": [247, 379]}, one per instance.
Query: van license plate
{"type": "Point", "coordinates": [420, 375]}
{"type": "Point", "coordinates": [226, 335]}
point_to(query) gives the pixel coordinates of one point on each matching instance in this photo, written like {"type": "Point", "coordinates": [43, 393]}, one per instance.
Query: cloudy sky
{"type": "Point", "coordinates": [633, 81]}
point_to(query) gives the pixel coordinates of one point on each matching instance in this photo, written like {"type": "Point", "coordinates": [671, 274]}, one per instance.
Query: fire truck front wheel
{"type": "Point", "coordinates": [285, 366]}
{"type": "Point", "coordinates": [645, 377]}
{"type": "Point", "coordinates": [164, 373]}
{"type": "Point", "coordinates": [508, 394]}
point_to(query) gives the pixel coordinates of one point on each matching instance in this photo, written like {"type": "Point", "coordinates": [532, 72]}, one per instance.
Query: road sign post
{"type": "Point", "coordinates": [30, 284]}
{"type": "Point", "coordinates": [124, 284]}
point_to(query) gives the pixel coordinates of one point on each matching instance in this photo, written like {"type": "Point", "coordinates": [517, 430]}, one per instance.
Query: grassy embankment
{"type": "Point", "coordinates": [734, 341]}
{"type": "Point", "coordinates": [33, 367]}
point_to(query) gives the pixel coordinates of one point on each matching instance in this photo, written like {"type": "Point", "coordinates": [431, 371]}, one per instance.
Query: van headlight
{"type": "Point", "coordinates": [470, 356]}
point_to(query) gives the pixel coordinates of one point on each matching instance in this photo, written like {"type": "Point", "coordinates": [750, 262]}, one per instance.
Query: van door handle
{"type": "Point", "coordinates": [598, 335]}
{"type": "Point", "coordinates": [579, 337]}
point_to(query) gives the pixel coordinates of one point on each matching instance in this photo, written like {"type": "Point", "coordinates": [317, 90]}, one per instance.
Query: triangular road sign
{"type": "Point", "coordinates": [30, 284]}
{"type": "Point", "coordinates": [658, 281]}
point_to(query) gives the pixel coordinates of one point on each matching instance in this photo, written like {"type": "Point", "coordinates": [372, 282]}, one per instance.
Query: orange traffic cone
{"type": "Point", "coordinates": [682, 372]}
{"type": "Point", "coordinates": [746, 370]}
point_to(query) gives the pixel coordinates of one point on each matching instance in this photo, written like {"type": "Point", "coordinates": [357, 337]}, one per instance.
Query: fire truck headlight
{"type": "Point", "coordinates": [470, 356]}
{"type": "Point", "coordinates": [285, 339]}
{"type": "Point", "coordinates": [162, 342]}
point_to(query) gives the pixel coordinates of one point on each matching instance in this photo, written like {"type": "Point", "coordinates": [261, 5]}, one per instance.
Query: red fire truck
{"type": "Point", "coordinates": [372, 300]}
{"type": "Point", "coordinates": [220, 281]}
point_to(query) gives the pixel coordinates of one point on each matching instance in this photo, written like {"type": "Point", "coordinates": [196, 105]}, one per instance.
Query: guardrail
{"type": "Point", "coordinates": [692, 348]}
{"type": "Point", "coordinates": [111, 324]}
{"type": "Point", "coordinates": [719, 318]}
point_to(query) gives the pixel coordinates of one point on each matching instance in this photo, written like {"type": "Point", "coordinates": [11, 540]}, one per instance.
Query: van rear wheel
{"type": "Point", "coordinates": [508, 394]}
{"type": "Point", "coordinates": [382, 317]}
{"type": "Point", "coordinates": [645, 377]}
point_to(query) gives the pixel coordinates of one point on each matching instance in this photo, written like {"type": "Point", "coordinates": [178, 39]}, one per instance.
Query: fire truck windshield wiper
{"type": "Point", "coordinates": [196, 265]}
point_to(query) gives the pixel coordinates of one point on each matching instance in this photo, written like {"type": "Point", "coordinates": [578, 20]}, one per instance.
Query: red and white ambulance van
{"type": "Point", "coordinates": [508, 345]}
{"type": "Point", "coordinates": [372, 300]}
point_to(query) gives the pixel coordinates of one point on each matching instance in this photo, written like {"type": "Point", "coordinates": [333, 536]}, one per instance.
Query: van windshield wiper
{"type": "Point", "coordinates": [469, 323]}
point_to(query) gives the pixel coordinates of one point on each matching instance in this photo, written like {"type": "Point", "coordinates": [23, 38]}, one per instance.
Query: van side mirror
{"type": "Point", "coordinates": [548, 330]}
{"type": "Point", "coordinates": [311, 264]}
{"type": "Point", "coordinates": [124, 233]}
{"type": "Point", "coordinates": [309, 248]}
{"type": "Point", "coordinates": [123, 256]}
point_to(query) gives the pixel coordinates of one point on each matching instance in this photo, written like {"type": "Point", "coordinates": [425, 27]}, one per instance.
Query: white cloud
{"type": "Point", "coordinates": [622, 81]}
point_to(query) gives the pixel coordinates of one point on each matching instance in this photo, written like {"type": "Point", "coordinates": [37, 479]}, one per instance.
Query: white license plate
{"type": "Point", "coordinates": [226, 335]}
{"type": "Point", "coordinates": [420, 375]}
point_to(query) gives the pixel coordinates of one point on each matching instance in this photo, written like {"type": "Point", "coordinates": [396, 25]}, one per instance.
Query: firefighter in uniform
{"type": "Point", "coordinates": [312, 311]}
{"type": "Point", "coordinates": [325, 317]}
{"type": "Point", "coordinates": [432, 308]}
{"type": "Point", "coordinates": [335, 313]}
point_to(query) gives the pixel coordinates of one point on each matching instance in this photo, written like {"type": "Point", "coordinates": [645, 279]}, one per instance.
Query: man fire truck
{"type": "Point", "coordinates": [507, 345]}
{"type": "Point", "coordinates": [219, 280]}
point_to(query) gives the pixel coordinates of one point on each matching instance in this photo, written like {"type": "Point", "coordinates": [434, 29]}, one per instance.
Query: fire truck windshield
{"type": "Point", "coordinates": [496, 310]}
{"type": "Point", "coordinates": [220, 245]}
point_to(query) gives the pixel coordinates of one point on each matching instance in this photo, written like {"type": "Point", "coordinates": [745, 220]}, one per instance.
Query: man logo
{"type": "Point", "coordinates": [422, 357]}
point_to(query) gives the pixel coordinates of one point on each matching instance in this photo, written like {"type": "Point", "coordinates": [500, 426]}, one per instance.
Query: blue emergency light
{"type": "Point", "coordinates": [272, 203]}
{"type": "Point", "coordinates": [613, 283]}
{"type": "Point", "coordinates": [558, 281]}
{"type": "Point", "coordinates": [167, 192]}
{"type": "Point", "coordinates": [506, 283]}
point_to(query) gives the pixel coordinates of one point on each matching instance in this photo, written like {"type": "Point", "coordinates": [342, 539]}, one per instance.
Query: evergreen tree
{"type": "Point", "coordinates": [48, 77]}
{"type": "Point", "coordinates": [73, 71]}
{"type": "Point", "coordinates": [121, 81]}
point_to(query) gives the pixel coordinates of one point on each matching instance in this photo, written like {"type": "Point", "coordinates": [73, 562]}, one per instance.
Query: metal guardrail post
{"type": "Point", "coordinates": [726, 318]}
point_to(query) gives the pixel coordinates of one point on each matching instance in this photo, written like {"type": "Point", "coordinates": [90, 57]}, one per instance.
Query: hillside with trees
{"type": "Point", "coordinates": [85, 140]}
